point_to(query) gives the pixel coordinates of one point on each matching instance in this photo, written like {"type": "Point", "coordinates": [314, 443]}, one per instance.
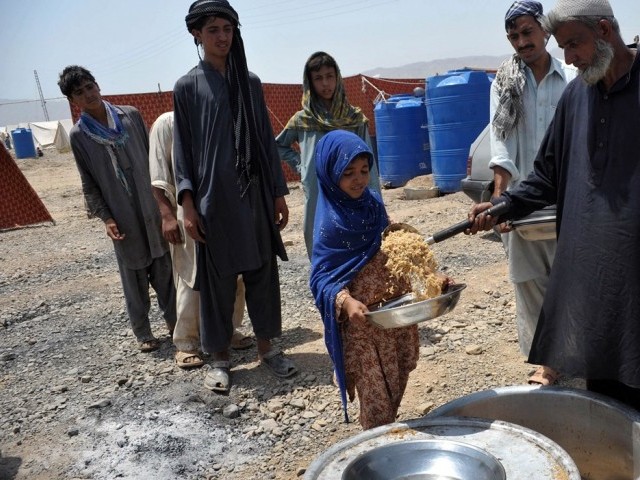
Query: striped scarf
{"type": "Point", "coordinates": [510, 81]}
{"type": "Point", "coordinates": [245, 130]}
{"type": "Point", "coordinates": [112, 137]}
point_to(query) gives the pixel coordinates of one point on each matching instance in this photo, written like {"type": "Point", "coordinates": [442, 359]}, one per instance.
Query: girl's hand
{"type": "Point", "coordinates": [355, 310]}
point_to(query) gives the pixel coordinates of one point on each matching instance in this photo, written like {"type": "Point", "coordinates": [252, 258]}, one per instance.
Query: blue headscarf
{"type": "Point", "coordinates": [347, 233]}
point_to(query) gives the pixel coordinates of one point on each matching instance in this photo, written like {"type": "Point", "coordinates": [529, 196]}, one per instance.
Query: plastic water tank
{"type": "Point", "coordinates": [23, 143]}
{"type": "Point", "coordinates": [457, 111]}
{"type": "Point", "coordinates": [402, 138]}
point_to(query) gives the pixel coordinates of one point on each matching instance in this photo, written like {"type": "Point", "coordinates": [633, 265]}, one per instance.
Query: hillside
{"type": "Point", "coordinates": [434, 67]}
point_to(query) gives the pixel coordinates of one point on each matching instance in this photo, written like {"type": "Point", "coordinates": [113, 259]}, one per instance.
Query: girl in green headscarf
{"type": "Point", "coordinates": [324, 108]}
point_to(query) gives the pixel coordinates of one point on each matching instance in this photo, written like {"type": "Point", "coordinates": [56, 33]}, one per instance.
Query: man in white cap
{"type": "Point", "coordinates": [589, 165]}
{"type": "Point", "coordinates": [524, 97]}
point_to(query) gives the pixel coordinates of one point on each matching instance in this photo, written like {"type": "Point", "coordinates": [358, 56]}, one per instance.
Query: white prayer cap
{"type": "Point", "coordinates": [582, 8]}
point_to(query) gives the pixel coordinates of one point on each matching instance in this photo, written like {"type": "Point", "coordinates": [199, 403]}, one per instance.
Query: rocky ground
{"type": "Point", "coordinates": [79, 401]}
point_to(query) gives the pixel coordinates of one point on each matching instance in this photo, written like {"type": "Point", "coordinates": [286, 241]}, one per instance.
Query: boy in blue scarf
{"type": "Point", "coordinates": [111, 148]}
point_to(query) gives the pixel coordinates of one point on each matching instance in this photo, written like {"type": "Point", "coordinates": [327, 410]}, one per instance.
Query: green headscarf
{"type": "Point", "coordinates": [314, 116]}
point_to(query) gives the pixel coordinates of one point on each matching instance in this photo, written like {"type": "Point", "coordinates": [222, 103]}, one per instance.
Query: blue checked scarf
{"type": "Point", "coordinates": [111, 137]}
{"type": "Point", "coordinates": [346, 235]}
{"type": "Point", "coordinates": [520, 8]}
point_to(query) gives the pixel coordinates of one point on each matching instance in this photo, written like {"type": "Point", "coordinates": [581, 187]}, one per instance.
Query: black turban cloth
{"type": "Point", "coordinates": [210, 8]}
{"type": "Point", "coordinates": [248, 145]}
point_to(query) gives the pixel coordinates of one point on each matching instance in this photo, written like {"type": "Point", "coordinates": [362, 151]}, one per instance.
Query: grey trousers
{"type": "Point", "coordinates": [217, 298]}
{"type": "Point", "coordinates": [135, 284]}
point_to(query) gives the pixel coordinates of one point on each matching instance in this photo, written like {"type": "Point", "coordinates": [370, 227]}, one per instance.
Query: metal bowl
{"type": "Point", "coordinates": [601, 435]}
{"type": "Point", "coordinates": [425, 459]}
{"type": "Point", "coordinates": [540, 225]}
{"type": "Point", "coordinates": [399, 313]}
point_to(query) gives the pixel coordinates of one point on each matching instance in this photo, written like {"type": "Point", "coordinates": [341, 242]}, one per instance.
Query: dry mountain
{"type": "Point", "coordinates": [435, 67]}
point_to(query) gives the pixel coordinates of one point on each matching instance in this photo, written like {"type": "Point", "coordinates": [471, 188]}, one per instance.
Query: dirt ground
{"type": "Point", "coordinates": [78, 400]}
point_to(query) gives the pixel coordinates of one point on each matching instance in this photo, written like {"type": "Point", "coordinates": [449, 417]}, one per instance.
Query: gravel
{"type": "Point", "coordinates": [79, 401]}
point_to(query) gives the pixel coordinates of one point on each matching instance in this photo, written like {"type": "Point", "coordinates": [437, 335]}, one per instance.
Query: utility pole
{"type": "Point", "coordinates": [42, 102]}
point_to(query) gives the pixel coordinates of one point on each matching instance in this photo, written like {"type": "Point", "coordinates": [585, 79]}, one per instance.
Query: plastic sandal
{"type": "Point", "coordinates": [279, 365]}
{"type": "Point", "coordinates": [188, 359]}
{"type": "Point", "coordinates": [218, 378]}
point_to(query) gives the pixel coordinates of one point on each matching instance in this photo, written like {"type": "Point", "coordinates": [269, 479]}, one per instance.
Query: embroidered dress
{"type": "Point", "coordinates": [377, 361]}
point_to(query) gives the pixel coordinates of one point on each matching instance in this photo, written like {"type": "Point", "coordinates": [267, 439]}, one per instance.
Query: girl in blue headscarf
{"type": "Point", "coordinates": [348, 273]}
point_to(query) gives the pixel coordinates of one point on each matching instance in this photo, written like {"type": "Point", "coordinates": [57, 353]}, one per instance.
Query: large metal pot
{"type": "Point", "coordinates": [449, 447]}
{"type": "Point", "coordinates": [601, 435]}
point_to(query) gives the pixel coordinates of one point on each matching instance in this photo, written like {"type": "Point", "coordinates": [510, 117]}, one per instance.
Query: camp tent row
{"type": "Point", "coordinates": [52, 134]}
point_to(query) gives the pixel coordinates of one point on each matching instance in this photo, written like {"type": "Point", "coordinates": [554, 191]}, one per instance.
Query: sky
{"type": "Point", "coordinates": [137, 46]}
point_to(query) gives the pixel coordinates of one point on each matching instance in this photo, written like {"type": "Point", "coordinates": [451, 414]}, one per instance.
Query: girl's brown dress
{"type": "Point", "coordinates": [377, 361]}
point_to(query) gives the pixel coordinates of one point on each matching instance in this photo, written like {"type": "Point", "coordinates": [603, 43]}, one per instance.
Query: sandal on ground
{"type": "Point", "coordinates": [218, 378]}
{"type": "Point", "coordinates": [188, 359]}
{"type": "Point", "coordinates": [279, 365]}
{"type": "Point", "coordinates": [239, 341]}
{"type": "Point", "coordinates": [149, 345]}
{"type": "Point", "coordinates": [544, 376]}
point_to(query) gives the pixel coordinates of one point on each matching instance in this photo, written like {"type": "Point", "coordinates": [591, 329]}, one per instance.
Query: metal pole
{"type": "Point", "coordinates": [42, 102]}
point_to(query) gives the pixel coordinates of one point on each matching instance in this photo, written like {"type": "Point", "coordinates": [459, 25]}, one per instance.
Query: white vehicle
{"type": "Point", "coordinates": [478, 185]}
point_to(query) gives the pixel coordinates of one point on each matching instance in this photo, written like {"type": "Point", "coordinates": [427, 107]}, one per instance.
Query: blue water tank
{"type": "Point", "coordinates": [402, 138]}
{"type": "Point", "coordinates": [457, 111]}
{"type": "Point", "coordinates": [23, 143]}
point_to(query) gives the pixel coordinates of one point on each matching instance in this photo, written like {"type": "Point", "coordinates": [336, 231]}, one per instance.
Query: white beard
{"type": "Point", "coordinates": [601, 61]}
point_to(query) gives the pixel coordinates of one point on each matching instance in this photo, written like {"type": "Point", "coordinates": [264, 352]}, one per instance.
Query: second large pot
{"type": "Point", "coordinates": [602, 436]}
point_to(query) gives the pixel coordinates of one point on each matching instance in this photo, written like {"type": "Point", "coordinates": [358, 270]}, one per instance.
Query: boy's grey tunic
{"type": "Point", "coordinates": [205, 161]}
{"type": "Point", "coordinates": [143, 254]}
{"type": "Point", "coordinates": [137, 216]}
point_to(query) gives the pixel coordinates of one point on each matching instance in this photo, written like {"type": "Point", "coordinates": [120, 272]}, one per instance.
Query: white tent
{"type": "Point", "coordinates": [51, 134]}
{"type": "Point", "coordinates": [62, 135]}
